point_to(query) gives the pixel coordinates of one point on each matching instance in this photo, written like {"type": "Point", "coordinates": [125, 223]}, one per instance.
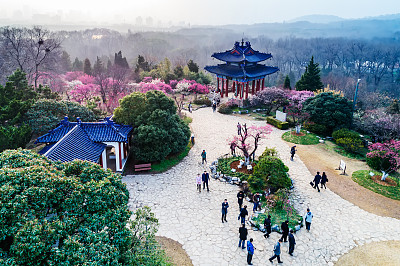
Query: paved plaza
{"type": "Point", "coordinates": [194, 219]}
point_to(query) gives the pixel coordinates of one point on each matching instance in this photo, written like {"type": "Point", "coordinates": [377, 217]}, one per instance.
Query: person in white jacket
{"type": "Point", "coordinates": [308, 219]}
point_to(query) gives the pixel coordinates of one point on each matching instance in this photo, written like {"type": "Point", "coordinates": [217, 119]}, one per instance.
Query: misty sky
{"type": "Point", "coordinates": [196, 12]}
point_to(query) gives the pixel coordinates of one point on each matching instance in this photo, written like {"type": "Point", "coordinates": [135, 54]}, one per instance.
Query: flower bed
{"type": "Point", "coordinates": [224, 166]}
{"type": "Point", "coordinates": [363, 178]}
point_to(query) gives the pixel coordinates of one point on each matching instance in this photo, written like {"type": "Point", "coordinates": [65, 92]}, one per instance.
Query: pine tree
{"type": "Point", "coordinates": [120, 61]}
{"type": "Point", "coordinates": [98, 67]}
{"type": "Point", "coordinates": [286, 84]}
{"type": "Point", "coordinates": [87, 67]}
{"type": "Point", "coordinates": [77, 65]}
{"type": "Point", "coordinates": [311, 79]}
{"type": "Point", "coordinates": [193, 67]}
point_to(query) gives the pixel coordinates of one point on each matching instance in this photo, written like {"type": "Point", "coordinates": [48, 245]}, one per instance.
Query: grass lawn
{"type": "Point", "coordinates": [363, 178]}
{"type": "Point", "coordinates": [332, 146]}
{"type": "Point", "coordinates": [307, 139]}
{"type": "Point", "coordinates": [278, 216]}
{"type": "Point", "coordinates": [225, 168]}
{"type": "Point", "coordinates": [170, 161]}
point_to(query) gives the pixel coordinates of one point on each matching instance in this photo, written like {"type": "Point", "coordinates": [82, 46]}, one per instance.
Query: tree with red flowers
{"type": "Point", "coordinates": [249, 139]}
{"type": "Point", "coordinates": [384, 157]}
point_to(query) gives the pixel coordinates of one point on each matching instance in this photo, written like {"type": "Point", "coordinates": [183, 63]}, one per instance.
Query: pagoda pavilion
{"type": "Point", "coordinates": [242, 68]}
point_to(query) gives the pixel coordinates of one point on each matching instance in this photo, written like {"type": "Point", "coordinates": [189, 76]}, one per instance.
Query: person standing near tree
{"type": "Point", "coordinates": [324, 179]}
{"type": "Point", "coordinates": [267, 226]}
{"type": "Point", "coordinates": [190, 107]}
{"type": "Point", "coordinates": [317, 179]}
{"type": "Point", "coordinates": [239, 128]}
{"type": "Point", "coordinates": [240, 196]}
{"type": "Point", "coordinates": [292, 242]}
{"type": "Point", "coordinates": [225, 206]}
{"type": "Point", "coordinates": [250, 250]}
{"type": "Point", "coordinates": [203, 157]}
{"type": "Point", "coordinates": [242, 235]}
{"type": "Point", "coordinates": [198, 182]}
{"type": "Point", "coordinates": [256, 201]}
{"type": "Point", "coordinates": [292, 152]}
{"type": "Point", "coordinates": [277, 252]}
{"type": "Point", "coordinates": [205, 177]}
{"type": "Point", "coordinates": [308, 219]}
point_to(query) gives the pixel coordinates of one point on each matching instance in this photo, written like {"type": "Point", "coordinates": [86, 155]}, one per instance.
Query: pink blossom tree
{"type": "Point", "coordinates": [249, 139]}
{"type": "Point", "coordinates": [270, 98]}
{"type": "Point", "coordinates": [384, 157]}
{"type": "Point", "coordinates": [295, 107]}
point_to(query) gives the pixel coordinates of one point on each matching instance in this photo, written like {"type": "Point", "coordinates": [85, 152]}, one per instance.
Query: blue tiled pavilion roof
{"type": "Point", "coordinates": [240, 53]}
{"type": "Point", "coordinates": [106, 131]}
{"type": "Point", "coordinates": [243, 73]}
{"type": "Point", "coordinates": [76, 144]}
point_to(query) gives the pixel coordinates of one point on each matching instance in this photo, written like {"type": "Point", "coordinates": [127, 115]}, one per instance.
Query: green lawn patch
{"type": "Point", "coordinates": [170, 161]}
{"type": "Point", "coordinates": [332, 146]}
{"type": "Point", "coordinates": [278, 216]}
{"type": "Point", "coordinates": [225, 168]}
{"type": "Point", "coordinates": [363, 178]}
{"type": "Point", "coordinates": [307, 139]}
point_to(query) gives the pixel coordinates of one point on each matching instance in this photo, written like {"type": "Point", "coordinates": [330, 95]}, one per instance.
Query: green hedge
{"type": "Point", "coordinates": [275, 122]}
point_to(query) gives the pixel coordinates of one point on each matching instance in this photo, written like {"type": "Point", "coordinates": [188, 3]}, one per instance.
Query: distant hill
{"type": "Point", "coordinates": [318, 19]}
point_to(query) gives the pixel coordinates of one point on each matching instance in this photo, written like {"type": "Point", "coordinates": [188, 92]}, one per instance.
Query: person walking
{"type": "Point", "coordinates": [205, 177]}
{"type": "Point", "coordinates": [243, 213]}
{"type": "Point", "coordinates": [308, 219]}
{"type": "Point", "coordinates": [190, 107]}
{"type": "Point", "coordinates": [198, 182]}
{"type": "Point", "coordinates": [192, 139]}
{"type": "Point", "coordinates": [242, 235]}
{"type": "Point", "coordinates": [225, 206]}
{"type": "Point", "coordinates": [267, 226]}
{"type": "Point", "coordinates": [250, 250]}
{"type": "Point", "coordinates": [256, 201]}
{"type": "Point", "coordinates": [240, 197]}
{"type": "Point", "coordinates": [292, 242]}
{"type": "Point", "coordinates": [277, 252]}
{"type": "Point", "coordinates": [214, 105]}
{"type": "Point", "coordinates": [233, 149]}
{"type": "Point", "coordinates": [324, 179]}
{"type": "Point", "coordinates": [203, 157]}
{"type": "Point", "coordinates": [317, 180]}
{"type": "Point", "coordinates": [292, 152]}
{"type": "Point", "coordinates": [239, 128]}
{"type": "Point", "coordinates": [285, 230]}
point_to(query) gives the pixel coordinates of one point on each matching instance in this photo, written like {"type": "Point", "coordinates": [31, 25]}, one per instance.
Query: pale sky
{"type": "Point", "coordinates": [196, 12]}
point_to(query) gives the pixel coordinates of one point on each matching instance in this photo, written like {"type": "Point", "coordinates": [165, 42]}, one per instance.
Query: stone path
{"type": "Point", "coordinates": [194, 219]}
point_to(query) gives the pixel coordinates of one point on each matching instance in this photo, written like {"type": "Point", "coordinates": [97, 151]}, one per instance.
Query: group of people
{"type": "Point", "coordinates": [287, 234]}
{"type": "Point", "coordinates": [204, 178]}
{"type": "Point", "coordinates": [318, 179]}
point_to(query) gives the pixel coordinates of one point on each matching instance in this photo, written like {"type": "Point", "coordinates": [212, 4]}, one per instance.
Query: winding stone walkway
{"type": "Point", "coordinates": [194, 219]}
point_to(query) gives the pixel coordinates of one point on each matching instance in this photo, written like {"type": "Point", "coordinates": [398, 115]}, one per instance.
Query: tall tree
{"type": "Point", "coordinates": [65, 62]}
{"type": "Point", "coordinates": [311, 79]}
{"type": "Point", "coordinates": [77, 65]}
{"type": "Point", "coordinates": [193, 67]}
{"type": "Point", "coordinates": [87, 67]}
{"type": "Point", "coordinates": [286, 83]}
{"type": "Point", "coordinates": [120, 61]}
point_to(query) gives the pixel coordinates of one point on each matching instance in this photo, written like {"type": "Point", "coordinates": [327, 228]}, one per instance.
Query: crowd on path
{"type": "Point", "coordinates": [191, 220]}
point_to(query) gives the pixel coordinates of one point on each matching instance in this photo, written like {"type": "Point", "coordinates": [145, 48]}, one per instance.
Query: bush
{"type": "Point", "coordinates": [224, 109]}
{"type": "Point", "coordinates": [269, 171]}
{"type": "Point", "coordinates": [202, 101]}
{"type": "Point", "coordinates": [277, 123]}
{"type": "Point", "coordinates": [269, 152]}
{"type": "Point", "coordinates": [345, 133]}
{"type": "Point", "coordinates": [316, 128]}
{"type": "Point", "coordinates": [329, 110]}
{"type": "Point", "coordinates": [13, 137]}
{"type": "Point", "coordinates": [351, 145]}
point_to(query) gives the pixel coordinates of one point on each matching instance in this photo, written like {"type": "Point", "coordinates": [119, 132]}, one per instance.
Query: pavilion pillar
{"type": "Point", "coordinates": [241, 90]}
{"type": "Point", "coordinates": [104, 159]}
{"type": "Point", "coordinates": [222, 88]}
{"type": "Point", "coordinates": [247, 90]}
{"type": "Point", "coordinates": [226, 87]}
{"type": "Point", "coordinates": [263, 82]}
{"type": "Point", "coordinates": [253, 86]}
{"type": "Point", "coordinates": [258, 85]}
{"type": "Point", "coordinates": [234, 88]}
{"type": "Point", "coordinates": [217, 84]}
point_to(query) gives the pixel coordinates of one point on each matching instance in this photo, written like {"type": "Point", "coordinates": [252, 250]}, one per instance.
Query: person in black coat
{"type": "Point", "coordinates": [205, 177]}
{"type": "Point", "coordinates": [317, 180]}
{"type": "Point", "coordinates": [242, 236]}
{"type": "Point", "coordinates": [292, 242]}
{"type": "Point", "coordinates": [243, 214]}
{"type": "Point", "coordinates": [324, 179]}
{"type": "Point", "coordinates": [240, 196]}
{"type": "Point", "coordinates": [267, 226]}
{"type": "Point", "coordinates": [292, 152]}
{"type": "Point", "coordinates": [225, 206]}
{"type": "Point", "coordinates": [285, 230]}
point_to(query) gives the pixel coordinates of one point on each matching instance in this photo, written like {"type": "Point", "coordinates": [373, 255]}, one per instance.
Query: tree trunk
{"type": "Point", "coordinates": [298, 128]}
{"type": "Point", "coordinates": [384, 175]}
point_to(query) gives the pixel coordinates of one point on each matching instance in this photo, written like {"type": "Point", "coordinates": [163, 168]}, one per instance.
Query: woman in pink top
{"type": "Point", "coordinates": [198, 182]}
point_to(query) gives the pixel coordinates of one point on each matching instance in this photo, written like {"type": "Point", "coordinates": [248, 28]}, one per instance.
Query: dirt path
{"type": "Point", "coordinates": [317, 158]}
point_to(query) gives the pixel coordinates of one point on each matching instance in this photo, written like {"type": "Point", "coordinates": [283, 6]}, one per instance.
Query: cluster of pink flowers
{"type": "Point", "coordinates": [190, 86]}
{"type": "Point", "coordinates": [389, 152]}
{"type": "Point", "coordinates": [153, 85]}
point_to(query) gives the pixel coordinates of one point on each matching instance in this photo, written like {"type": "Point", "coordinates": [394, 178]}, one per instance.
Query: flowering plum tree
{"type": "Point", "coordinates": [384, 157]}
{"type": "Point", "coordinates": [248, 140]}
{"type": "Point", "coordinates": [295, 107]}
{"type": "Point", "coordinates": [270, 98]}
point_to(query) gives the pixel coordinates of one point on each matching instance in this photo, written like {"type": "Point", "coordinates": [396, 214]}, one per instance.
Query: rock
{"type": "Point", "coordinates": [233, 170]}
{"type": "Point", "coordinates": [321, 141]}
{"type": "Point", "coordinates": [297, 228]}
{"type": "Point", "coordinates": [275, 228]}
{"type": "Point", "coordinates": [235, 178]}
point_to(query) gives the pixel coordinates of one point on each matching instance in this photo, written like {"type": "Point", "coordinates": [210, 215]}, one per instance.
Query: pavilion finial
{"type": "Point", "coordinates": [242, 42]}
